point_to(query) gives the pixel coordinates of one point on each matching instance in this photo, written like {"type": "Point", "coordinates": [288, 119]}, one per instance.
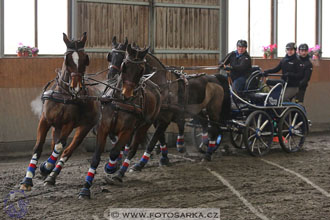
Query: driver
{"type": "Point", "coordinates": [239, 63]}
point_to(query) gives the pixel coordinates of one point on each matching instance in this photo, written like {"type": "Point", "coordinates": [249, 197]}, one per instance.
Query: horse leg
{"type": "Point", "coordinates": [43, 128]}
{"type": "Point", "coordinates": [47, 166]}
{"type": "Point", "coordinates": [111, 167]}
{"type": "Point", "coordinates": [213, 134]}
{"type": "Point", "coordinates": [65, 132]}
{"type": "Point", "coordinates": [158, 135]}
{"type": "Point", "coordinates": [138, 139]}
{"type": "Point", "coordinates": [101, 139]}
{"type": "Point", "coordinates": [180, 138]}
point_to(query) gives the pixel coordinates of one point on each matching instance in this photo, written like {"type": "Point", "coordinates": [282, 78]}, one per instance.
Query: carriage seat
{"type": "Point", "coordinates": [273, 82]}
{"type": "Point", "coordinates": [257, 98]}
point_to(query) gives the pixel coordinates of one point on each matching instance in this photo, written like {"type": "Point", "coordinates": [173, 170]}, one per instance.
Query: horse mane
{"type": "Point", "coordinates": [154, 61]}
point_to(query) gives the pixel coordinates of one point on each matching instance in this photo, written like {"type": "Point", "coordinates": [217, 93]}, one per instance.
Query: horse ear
{"type": "Point", "coordinates": [126, 41]}
{"type": "Point", "coordinates": [84, 38]}
{"type": "Point", "coordinates": [109, 57]}
{"type": "Point", "coordinates": [144, 52]}
{"type": "Point", "coordinates": [114, 41]}
{"type": "Point", "coordinates": [129, 49]}
{"type": "Point", "coordinates": [134, 44]}
{"type": "Point", "coordinates": [87, 60]}
{"type": "Point", "coordinates": [66, 39]}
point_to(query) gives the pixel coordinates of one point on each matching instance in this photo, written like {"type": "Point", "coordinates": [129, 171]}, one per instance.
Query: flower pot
{"type": "Point", "coordinates": [25, 53]}
{"type": "Point", "coordinates": [34, 55]}
{"type": "Point", "coordinates": [271, 56]}
{"type": "Point", "coordinates": [19, 54]}
{"type": "Point", "coordinates": [265, 56]}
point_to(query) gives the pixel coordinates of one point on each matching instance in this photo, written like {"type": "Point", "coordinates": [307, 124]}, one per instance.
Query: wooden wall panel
{"type": "Point", "coordinates": [192, 2]}
{"type": "Point", "coordinates": [103, 21]}
{"type": "Point", "coordinates": [186, 28]}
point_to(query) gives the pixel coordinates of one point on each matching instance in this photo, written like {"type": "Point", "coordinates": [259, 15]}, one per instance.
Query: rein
{"type": "Point", "coordinates": [192, 68]}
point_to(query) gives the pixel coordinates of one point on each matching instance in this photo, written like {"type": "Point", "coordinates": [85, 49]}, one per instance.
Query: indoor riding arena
{"type": "Point", "coordinates": [165, 109]}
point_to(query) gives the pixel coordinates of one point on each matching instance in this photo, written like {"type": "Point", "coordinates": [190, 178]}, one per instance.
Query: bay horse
{"type": "Point", "coordinates": [64, 110]}
{"type": "Point", "coordinates": [172, 105]}
{"type": "Point", "coordinates": [127, 113]}
{"type": "Point", "coordinates": [115, 58]}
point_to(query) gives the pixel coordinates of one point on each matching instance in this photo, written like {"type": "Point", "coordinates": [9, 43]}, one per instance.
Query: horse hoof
{"type": "Point", "coordinates": [43, 170]}
{"type": "Point", "coordinates": [25, 187]}
{"type": "Point", "coordinates": [49, 181]}
{"type": "Point", "coordinates": [137, 167]}
{"type": "Point", "coordinates": [164, 161]}
{"type": "Point", "coordinates": [181, 149]}
{"type": "Point", "coordinates": [110, 171]}
{"type": "Point", "coordinates": [207, 157]}
{"type": "Point", "coordinates": [84, 194]}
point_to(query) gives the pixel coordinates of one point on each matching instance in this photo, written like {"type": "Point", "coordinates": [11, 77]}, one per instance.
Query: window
{"type": "Point", "coordinates": [325, 28]}
{"type": "Point", "coordinates": [306, 22]}
{"type": "Point", "coordinates": [19, 25]}
{"type": "Point", "coordinates": [286, 24]}
{"type": "Point", "coordinates": [260, 26]}
{"type": "Point", "coordinates": [237, 22]}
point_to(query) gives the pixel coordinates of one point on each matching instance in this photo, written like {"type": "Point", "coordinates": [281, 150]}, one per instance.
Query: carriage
{"type": "Point", "coordinates": [261, 118]}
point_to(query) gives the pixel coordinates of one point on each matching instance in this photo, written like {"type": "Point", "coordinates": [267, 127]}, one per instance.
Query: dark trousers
{"type": "Point", "coordinates": [301, 94]}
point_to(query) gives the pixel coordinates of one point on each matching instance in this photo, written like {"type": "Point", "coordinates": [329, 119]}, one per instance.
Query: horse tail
{"type": "Point", "coordinates": [226, 104]}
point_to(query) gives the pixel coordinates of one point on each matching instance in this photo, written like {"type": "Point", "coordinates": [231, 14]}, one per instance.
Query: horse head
{"type": "Point", "coordinates": [116, 56]}
{"type": "Point", "coordinates": [133, 68]}
{"type": "Point", "coordinates": [75, 62]}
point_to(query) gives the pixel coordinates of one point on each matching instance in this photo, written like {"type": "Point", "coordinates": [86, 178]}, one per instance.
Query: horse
{"type": "Point", "coordinates": [128, 113]}
{"type": "Point", "coordinates": [64, 110]}
{"type": "Point", "coordinates": [116, 57]}
{"type": "Point", "coordinates": [172, 110]}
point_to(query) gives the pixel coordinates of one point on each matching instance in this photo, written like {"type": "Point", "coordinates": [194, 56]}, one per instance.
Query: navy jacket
{"type": "Point", "coordinates": [241, 64]}
{"type": "Point", "coordinates": [307, 73]}
{"type": "Point", "coordinates": [292, 67]}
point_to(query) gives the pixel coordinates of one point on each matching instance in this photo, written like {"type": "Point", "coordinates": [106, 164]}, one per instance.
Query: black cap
{"type": "Point", "coordinates": [303, 47]}
{"type": "Point", "coordinates": [241, 43]}
{"type": "Point", "coordinates": [291, 45]}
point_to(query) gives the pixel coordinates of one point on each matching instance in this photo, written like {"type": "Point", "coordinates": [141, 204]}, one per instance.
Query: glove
{"type": "Point", "coordinates": [228, 68]}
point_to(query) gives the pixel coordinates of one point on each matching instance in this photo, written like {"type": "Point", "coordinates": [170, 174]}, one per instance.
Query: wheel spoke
{"type": "Point", "coordinates": [252, 136]}
{"type": "Point", "coordinates": [298, 125]}
{"type": "Point", "coordinates": [290, 142]}
{"type": "Point", "coordinates": [286, 137]}
{"type": "Point", "coordinates": [259, 121]}
{"type": "Point", "coordinates": [266, 133]}
{"type": "Point", "coordinates": [263, 125]}
{"type": "Point", "coordinates": [294, 119]}
{"type": "Point", "coordinates": [252, 146]}
{"type": "Point", "coordinates": [263, 142]}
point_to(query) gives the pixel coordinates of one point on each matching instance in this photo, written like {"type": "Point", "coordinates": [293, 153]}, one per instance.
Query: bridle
{"type": "Point", "coordinates": [72, 74]}
{"type": "Point", "coordinates": [134, 61]}
{"type": "Point", "coordinates": [114, 66]}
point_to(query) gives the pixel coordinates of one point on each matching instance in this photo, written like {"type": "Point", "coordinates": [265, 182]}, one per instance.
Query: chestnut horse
{"type": "Point", "coordinates": [64, 110]}
{"type": "Point", "coordinates": [128, 114]}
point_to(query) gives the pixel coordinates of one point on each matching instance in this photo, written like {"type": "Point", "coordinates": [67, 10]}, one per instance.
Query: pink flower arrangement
{"type": "Point", "coordinates": [315, 52]}
{"type": "Point", "coordinates": [269, 50]}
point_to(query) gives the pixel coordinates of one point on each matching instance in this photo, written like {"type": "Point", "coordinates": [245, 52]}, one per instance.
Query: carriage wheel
{"type": "Point", "coordinates": [197, 139]}
{"type": "Point", "coordinates": [236, 137]}
{"type": "Point", "coordinates": [292, 130]}
{"type": "Point", "coordinates": [258, 133]}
